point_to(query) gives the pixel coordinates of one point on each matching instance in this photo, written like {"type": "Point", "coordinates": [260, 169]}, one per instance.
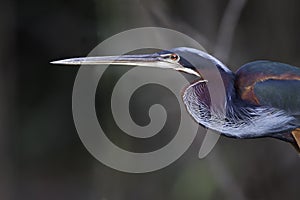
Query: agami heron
{"type": "Point", "coordinates": [262, 97]}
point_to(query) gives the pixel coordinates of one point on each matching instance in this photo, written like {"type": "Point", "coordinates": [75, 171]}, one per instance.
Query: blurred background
{"type": "Point", "coordinates": [41, 155]}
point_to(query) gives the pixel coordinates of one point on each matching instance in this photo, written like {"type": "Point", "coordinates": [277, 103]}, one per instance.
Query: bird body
{"type": "Point", "coordinates": [263, 102]}
{"type": "Point", "coordinates": [262, 99]}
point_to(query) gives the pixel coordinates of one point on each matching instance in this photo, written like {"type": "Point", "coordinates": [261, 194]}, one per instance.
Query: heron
{"type": "Point", "coordinates": [262, 98]}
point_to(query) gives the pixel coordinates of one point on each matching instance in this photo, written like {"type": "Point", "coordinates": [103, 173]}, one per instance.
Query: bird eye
{"type": "Point", "coordinates": [174, 57]}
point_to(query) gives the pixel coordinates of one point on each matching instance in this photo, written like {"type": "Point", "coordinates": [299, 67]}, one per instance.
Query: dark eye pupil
{"type": "Point", "coordinates": [174, 57]}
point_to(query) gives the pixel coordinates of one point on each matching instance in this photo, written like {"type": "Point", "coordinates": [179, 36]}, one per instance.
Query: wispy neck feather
{"type": "Point", "coordinates": [239, 119]}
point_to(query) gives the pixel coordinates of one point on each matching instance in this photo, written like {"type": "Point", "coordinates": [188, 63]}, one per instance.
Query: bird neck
{"type": "Point", "coordinates": [218, 93]}
{"type": "Point", "coordinates": [208, 103]}
{"type": "Point", "coordinates": [228, 78]}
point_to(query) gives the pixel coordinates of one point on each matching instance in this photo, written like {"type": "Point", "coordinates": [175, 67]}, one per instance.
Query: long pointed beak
{"type": "Point", "coordinates": [147, 60]}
